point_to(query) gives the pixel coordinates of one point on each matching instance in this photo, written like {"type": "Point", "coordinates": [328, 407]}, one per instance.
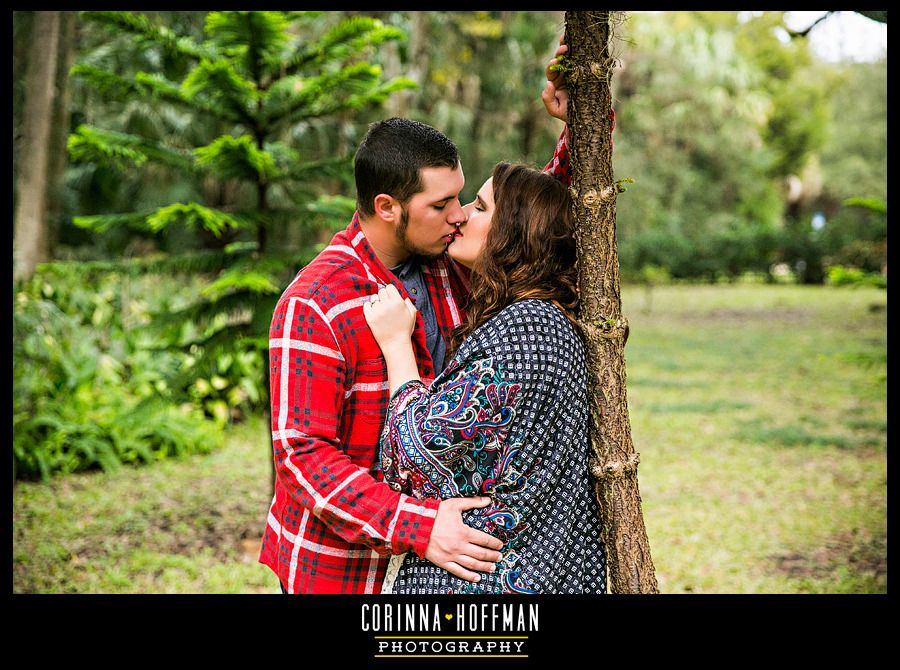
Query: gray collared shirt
{"type": "Point", "coordinates": [410, 275]}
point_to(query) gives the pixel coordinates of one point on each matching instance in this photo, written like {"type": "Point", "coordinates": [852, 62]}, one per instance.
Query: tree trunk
{"type": "Point", "coordinates": [30, 227]}
{"type": "Point", "coordinates": [614, 461]}
{"type": "Point", "coordinates": [60, 130]}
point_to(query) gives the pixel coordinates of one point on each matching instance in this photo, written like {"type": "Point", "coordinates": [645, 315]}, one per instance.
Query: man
{"type": "Point", "coordinates": [333, 522]}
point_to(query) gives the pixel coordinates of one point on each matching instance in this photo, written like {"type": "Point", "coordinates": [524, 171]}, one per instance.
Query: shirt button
{"type": "Point", "coordinates": [414, 291]}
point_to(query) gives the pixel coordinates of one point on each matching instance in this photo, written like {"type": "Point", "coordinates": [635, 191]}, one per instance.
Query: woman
{"type": "Point", "coordinates": [508, 416]}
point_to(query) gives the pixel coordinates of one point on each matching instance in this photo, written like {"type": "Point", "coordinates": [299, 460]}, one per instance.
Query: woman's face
{"type": "Point", "coordinates": [469, 242]}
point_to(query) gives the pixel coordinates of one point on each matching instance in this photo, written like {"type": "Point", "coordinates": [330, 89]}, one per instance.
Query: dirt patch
{"type": "Point", "coordinates": [249, 549]}
{"type": "Point", "coordinates": [865, 556]}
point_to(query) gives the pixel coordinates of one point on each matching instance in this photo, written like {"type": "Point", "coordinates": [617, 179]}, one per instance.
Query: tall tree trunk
{"type": "Point", "coordinates": [60, 129]}
{"type": "Point", "coordinates": [614, 460]}
{"type": "Point", "coordinates": [419, 67]}
{"type": "Point", "coordinates": [30, 227]}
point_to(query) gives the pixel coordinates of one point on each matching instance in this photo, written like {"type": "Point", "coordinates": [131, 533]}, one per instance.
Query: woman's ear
{"type": "Point", "coordinates": [387, 207]}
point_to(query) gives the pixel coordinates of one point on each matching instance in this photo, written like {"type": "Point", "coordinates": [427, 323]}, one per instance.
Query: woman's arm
{"type": "Point", "coordinates": [392, 321]}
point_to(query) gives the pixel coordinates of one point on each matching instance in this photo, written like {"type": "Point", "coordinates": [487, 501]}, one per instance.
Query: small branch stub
{"type": "Point", "coordinates": [608, 328]}
{"type": "Point", "coordinates": [616, 468]}
{"type": "Point", "coordinates": [592, 199]}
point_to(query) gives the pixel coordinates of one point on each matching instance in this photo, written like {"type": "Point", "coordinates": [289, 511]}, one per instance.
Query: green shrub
{"type": "Point", "coordinates": [233, 389]}
{"type": "Point", "coordinates": [90, 383]}
{"type": "Point", "coordinates": [839, 275]}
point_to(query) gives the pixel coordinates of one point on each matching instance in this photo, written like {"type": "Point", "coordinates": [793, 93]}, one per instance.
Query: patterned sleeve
{"type": "Point", "coordinates": [448, 441]}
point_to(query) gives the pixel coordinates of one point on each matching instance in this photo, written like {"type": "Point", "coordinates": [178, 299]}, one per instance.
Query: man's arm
{"type": "Point", "coordinates": [555, 97]}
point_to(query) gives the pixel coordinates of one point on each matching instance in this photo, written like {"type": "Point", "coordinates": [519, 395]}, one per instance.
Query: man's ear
{"type": "Point", "coordinates": [387, 208]}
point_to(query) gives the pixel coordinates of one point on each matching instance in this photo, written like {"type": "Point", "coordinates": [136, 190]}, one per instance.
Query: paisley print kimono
{"type": "Point", "coordinates": [507, 418]}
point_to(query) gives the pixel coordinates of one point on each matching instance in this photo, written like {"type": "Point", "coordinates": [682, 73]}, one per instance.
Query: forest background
{"type": "Point", "coordinates": [184, 165]}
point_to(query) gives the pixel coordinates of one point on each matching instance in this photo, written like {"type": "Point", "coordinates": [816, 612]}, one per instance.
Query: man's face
{"type": "Point", "coordinates": [431, 217]}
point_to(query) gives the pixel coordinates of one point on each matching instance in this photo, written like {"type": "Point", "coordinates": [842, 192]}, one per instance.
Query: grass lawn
{"type": "Point", "coordinates": [760, 413]}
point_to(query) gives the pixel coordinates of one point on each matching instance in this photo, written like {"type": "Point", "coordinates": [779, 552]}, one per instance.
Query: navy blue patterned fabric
{"type": "Point", "coordinates": [507, 418]}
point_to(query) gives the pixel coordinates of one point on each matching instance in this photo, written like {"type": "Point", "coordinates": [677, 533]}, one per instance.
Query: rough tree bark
{"type": "Point", "coordinates": [589, 67]}
{"type": "Point", "coordinates": [30, 223]}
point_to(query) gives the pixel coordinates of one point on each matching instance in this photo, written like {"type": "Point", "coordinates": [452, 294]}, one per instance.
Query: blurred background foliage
{"type": "Point", "coordinates": [197, 160]}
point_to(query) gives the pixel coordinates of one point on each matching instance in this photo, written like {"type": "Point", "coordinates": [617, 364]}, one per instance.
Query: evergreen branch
{"type": "Point", "coordinates": [141, 27]}
{"type": "Point", "coordinates": [160, 88]}
{"type": "Point", "coordinates": [217, 83]}
{"type": "Point", "coordinates": [380, 93]}
{"type": "Point", "coordinates": [145, 85]}
{"type": "Point", "coordinates": [330, 167]}
{"type": "Point", "coordinates": [349, 37]}
{"type": "Point", "coordinates": [335, 206]}
{"type": "Point", "coordinates": [237, 157]}
{"type": "Point", "coordinates": [192, 214]}
{"type": "Point", "coordinates": [254, 37]}
{"type": "Point", "coordinates": [231, 307]}
{"type": "Point", "coordinates": [109, 84]}
{"type": "Point", "coordinates": [373, 96]}
{"type": "Point", "coordinates": [240, 279]}
{"type": "Point", "coordinates": [100, 223]}
{"type": "Point", "coordinates": [317, 96]}
{"type": "Point", "coordinates": [117, 150]}
{"type": "Point", "coordinates": [122, 150]}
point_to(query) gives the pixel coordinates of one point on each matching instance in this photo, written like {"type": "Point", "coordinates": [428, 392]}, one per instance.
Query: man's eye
{"type": "Point", "coordinates": [440, 207]}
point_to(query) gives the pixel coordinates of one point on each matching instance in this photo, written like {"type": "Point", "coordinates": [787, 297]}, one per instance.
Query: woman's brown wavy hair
{"type": "Point", "coordinates": [529, 251]}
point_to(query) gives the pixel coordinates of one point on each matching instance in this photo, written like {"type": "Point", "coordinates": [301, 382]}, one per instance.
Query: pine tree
{"type": "Point", "coordinates": [258, 81]}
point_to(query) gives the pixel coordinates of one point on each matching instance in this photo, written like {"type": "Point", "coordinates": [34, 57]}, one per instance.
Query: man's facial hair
{"type": "Point", "coordinates": [401, 231]}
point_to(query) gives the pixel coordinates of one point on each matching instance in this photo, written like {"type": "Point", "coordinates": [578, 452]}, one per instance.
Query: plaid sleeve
{"type": "Point", "coordinates": [308, 372]}
{"type": "Point", "coordinates": [559, 165]}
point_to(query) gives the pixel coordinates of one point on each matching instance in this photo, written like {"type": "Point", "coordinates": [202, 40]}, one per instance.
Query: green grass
{"type": "Point", "coordinates": [760, 413]}
{"type": "Point", "coordinates": [760, 416]}
{"type": "Point", "coordinates": [180, 526]}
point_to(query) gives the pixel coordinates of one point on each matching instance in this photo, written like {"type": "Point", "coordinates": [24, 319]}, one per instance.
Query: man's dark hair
{"type": "Point", "coordinates": [390, 157]}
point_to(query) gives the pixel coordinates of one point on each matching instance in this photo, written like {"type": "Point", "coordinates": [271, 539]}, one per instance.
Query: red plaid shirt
{"type": "Point", "coordinates": [334, 522]}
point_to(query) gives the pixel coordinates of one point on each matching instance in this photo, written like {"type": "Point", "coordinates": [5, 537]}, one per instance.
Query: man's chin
{"type": "Point", "coordinates": [432, 254]}
{"type": "Point", "coordinates": [423, 255]}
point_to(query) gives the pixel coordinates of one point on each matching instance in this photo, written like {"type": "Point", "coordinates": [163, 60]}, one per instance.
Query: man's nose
{"type": "Point", "coordinates": [458, 216]}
